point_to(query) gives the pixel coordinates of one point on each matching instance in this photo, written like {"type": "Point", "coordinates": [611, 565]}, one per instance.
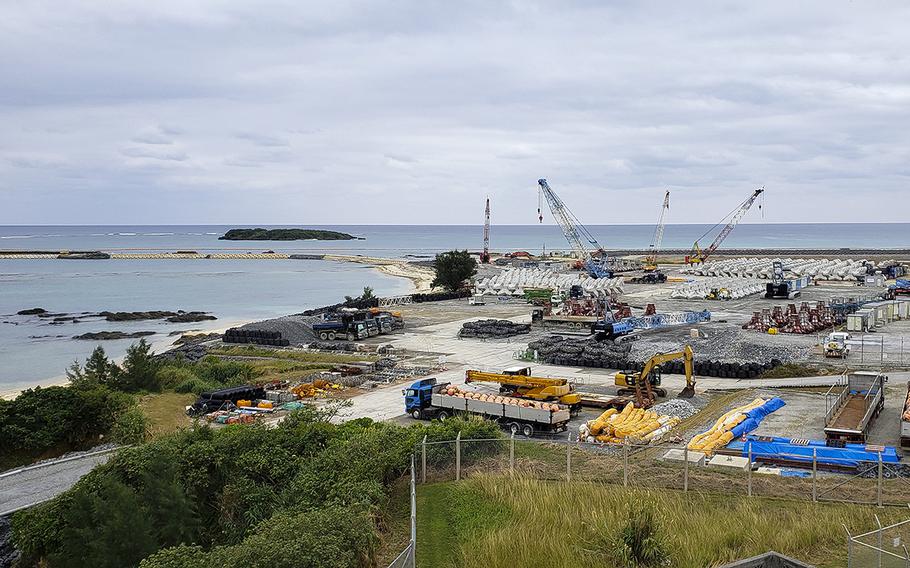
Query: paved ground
{"type": "Point", "coordinates": [40, 483]}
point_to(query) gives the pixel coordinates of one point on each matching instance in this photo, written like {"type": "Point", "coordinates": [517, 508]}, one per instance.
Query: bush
{"type": "Point", "coordinates": [453, 268]}
{"type": "Point", "coordinates": [196, 386]}
{"type": "Point", "coordinates": [56, 419]}
{"type": "Point", "coordinates": [169, 376]}
{"type": "Point", "coordinates": [131, 427]}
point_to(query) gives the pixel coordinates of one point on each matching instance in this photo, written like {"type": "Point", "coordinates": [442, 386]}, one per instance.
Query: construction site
{"type": "Point", "coordinates": [591, 340]}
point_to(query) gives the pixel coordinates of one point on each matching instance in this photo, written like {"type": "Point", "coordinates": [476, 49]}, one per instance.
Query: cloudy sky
{"type": "Point", "coordinates": [413, 112]}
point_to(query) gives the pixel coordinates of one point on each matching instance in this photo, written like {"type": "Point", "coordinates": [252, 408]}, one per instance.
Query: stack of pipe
{"type": "Point", "coordinates": [512, 282]}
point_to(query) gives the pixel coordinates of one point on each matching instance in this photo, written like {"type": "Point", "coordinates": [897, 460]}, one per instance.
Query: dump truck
{"type": "Point", "coordinates": [905, 421]}
{"type": "Point", "coordinates": [426, 399]}
{"type": "Point", "coordinates": [851, 406]}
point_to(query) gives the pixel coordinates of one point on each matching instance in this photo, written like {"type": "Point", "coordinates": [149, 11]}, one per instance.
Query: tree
{"type": "Point", "coordinates": [453, 268]}
{"type": "Point", "coordinates": [140, 369]}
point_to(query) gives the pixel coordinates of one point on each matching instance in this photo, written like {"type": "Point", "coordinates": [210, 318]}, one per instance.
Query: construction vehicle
{"type": "Point", "coordinates": [698, 255]}
{"type": "Point", "coordinates": [485, 255]}
{"type": "Point", "coordinates": [645, 384]}
{"type": "Point", "coordinates": [651, 259]}
{"type": "Point", "coordinates": [518, 382]}
{"type": "Point", "coordinates": [351, 325]}
{"type": "Point", "coordinates": [426, 399]}
{"type": "Point", "coordinates": [836, 345]}
{"type": "Point", "coordinates": [592, 256]}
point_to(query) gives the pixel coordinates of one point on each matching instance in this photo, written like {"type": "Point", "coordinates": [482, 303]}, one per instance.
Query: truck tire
{"type": "Point", "coordinates": [323, 335]}
{"type": "Point", "coordinates": [442, 415]}
{"type": "Point", "coordinates": [331, 336]}
{"type": "Point", "coordinates": [514, 428]}
{"type": "Point", "coordinates": [527, 430]}
{"type": "Point", "coordinates": [351, 337]}
{"type": "Point", "coordinates": [417, 414]}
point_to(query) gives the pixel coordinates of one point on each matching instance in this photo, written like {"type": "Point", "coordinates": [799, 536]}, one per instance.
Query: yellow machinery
{"type": "Point", "coordinates": [645, 384]}
{"type": "Point", "coordinates": [518, 382]}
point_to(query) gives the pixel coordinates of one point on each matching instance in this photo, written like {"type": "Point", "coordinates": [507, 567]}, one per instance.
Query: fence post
{"type": "Point", "coordinates": [849, 547]}
{"type": "Point", "coordinates": [569, 459]}
{"type": "Point", "coordinates": [749, 471]}
{"type": "Point", "coordinates": [413, 554]}
{"type": "Point", "coordinates": [879, 523]}
{"type": "Point", "coordinates": [512, 455]}
{"type": "Point", "coordinates": [686, 469]}
{"type": "Point", "coordinates": [423, 460]}
{"type": "Point", "coordinates": [625, 465]}
{"type": "Point", "coordinates": [814, 475]}
{"type": "Point", "coordinates": [880, 476]}
{"type": "Point", "coordinates": [458, 457]}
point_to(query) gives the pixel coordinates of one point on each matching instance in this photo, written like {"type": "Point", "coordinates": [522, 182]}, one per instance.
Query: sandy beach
{"type": "Point", "coordinates": [420, 276]}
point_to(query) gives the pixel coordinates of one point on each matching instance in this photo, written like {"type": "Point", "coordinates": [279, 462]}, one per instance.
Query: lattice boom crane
{"type": "Point", "coordinates": [594, 258]}
{"type": "Point", "coordinates": [485, 255]}
{"type": "Point", "coordinates": [699, 255]}
{"type": "Point", "coordinates": [651, 260]}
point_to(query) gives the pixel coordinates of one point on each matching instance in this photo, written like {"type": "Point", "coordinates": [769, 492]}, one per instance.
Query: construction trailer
{"type": "Point", "coordinates": [851, 406]}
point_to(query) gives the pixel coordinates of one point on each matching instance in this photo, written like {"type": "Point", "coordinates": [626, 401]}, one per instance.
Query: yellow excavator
{"type": "Point", "coordinates": [645, 384]}
{"type": "Point", "coordinates": [518, 382]}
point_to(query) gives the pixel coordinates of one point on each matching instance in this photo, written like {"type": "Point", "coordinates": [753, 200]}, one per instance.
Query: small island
{"type": "Point", "coordinates": [260, 234]}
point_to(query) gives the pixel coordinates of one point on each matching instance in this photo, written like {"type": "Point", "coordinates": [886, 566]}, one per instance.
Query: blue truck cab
{"type": "Point", "coordinates": [418, 397]}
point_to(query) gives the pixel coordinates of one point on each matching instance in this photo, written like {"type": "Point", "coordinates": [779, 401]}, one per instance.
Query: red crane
{"type": "Point", "coordinates": [485, 255]}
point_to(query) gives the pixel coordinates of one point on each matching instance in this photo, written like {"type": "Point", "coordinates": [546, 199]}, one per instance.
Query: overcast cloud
{"type": "Point", "coordinates": [413, 112]}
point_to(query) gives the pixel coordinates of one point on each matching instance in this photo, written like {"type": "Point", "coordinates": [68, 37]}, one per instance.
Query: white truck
{"type": "Point", "coordinates": [836, 345]}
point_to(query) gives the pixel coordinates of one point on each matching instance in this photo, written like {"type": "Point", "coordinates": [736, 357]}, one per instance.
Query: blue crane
{"type": "Point", "coordinates": [592, 256]}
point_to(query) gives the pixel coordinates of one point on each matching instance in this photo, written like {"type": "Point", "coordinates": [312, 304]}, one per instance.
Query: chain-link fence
{"type": "Point", "coordinates": [407, 557]}
{"type": "Point", "coordinates": [883, 547]}
{"type": "Point", "coordinates": [812, 475]}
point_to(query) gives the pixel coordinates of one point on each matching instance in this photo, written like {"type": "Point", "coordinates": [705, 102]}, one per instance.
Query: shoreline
{"type": "Point", "coordinates": [419, 277]}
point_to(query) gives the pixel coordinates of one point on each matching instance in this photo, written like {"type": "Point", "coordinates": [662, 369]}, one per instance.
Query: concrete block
{"type": "Point", "coordinates": [695, 458]}
{"type": "Point", "coordinates": [768, 470]}
{"type": "Point", "coordinates": [732, 462]}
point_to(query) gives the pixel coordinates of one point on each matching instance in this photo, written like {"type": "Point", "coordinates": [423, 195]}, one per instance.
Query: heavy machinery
{"type": "Point", "coordinates": [645, 384]}
{"type": "Point", "coordinates": [592, 256]}
{"type": "Point", "coordinates": [485, 255]}
{"type": "Point", "coordinates": [782, 287]}
{"type": "Point", "coordinates": [518, 382]}
{"type": "Point", "coordinates": [836, 345]}
{"type": "Point", "coordinates": [654, 249]}
{"type": "Point", "coordinates": [699, 255]}
{"type": "Point", "coordinates": [426, 399]}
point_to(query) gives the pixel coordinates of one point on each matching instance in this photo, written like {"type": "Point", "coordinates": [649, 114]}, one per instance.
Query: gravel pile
{"type": "Point", "coordinates": [296, 329]}
{"type": "Point", "coordinates": [557, 350]}
{"type": "Point", "coordinates": [493, 328]}
{"type": "Point", "coordinates": [680, 408]}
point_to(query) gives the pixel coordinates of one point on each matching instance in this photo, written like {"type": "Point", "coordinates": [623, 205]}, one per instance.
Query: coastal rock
{"type": "Point", "coordinates": [110, 335]}
{"type": "Point", "coordinates": [173, 317]}
{"type": "Point", "coordinates": [260, 234]}
{"type": "Point", "coordinates": [31, 312]}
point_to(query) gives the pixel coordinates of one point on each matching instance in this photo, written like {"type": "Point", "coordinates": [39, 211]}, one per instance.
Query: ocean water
{"type": "Point", "coordinates": [32, 351]}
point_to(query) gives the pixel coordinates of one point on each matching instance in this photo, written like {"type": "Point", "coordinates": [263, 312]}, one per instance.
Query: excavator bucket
{"type": "Point", "coordinates": [687, 392]}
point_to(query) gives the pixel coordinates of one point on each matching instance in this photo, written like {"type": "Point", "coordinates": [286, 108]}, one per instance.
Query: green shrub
{"type": "Point", "coordinates": [196, 386]}
{"type": "Point", "coordinates": [131, 427]}
{"type": "Point", "coordinates": [171, 375]}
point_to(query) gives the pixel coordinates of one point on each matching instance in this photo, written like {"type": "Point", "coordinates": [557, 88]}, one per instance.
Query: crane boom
{"type": "Point", "coordinates": [485, 255]}
{"type": "Point", "coordinates": [651, 260]}
{"type": "Point", "coordinates": [594, 260]}
{"type": "Point", "coordinates": [526, 386]}
{"type": "Point", "coordinates": [699, 255]}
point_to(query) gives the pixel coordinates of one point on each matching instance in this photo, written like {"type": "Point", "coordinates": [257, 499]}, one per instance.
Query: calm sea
{"type": "Point", "coordinates": [34, 352]}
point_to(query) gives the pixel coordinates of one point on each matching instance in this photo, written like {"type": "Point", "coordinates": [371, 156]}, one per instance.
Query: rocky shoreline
{"type": "Point", "coordinates": [178, 316]}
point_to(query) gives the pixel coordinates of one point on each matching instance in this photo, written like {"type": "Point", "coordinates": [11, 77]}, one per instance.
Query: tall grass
{"type": "Point", "coordinates": [569, 525]}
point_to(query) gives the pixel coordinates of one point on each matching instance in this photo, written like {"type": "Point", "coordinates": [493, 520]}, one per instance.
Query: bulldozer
{"type": "Point", "coordinates": [645, 384]}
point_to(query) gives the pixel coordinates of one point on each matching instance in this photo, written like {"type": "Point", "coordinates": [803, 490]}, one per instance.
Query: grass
{"type": "Point", "coordinates": [299, 356]}
{"type": "Point", "coordinates": [494, 521]}
{"type": "Point", "coordinates": [165, 411]}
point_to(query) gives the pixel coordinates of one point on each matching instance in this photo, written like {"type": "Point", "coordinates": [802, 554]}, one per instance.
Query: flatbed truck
{"type": "Point", "coordinates": [851, 406]}
{"type": "Point", "coordinates": [426, 399]}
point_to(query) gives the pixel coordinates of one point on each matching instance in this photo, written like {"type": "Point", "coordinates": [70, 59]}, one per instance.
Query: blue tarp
{"type": "Point", "coordinates": [782, 448]}
{"type": "Point", "coordinates": [755, 416]}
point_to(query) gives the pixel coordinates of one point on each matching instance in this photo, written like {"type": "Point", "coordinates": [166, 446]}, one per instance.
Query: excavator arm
{"type": "Point", "coordinates": [643, 384]}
